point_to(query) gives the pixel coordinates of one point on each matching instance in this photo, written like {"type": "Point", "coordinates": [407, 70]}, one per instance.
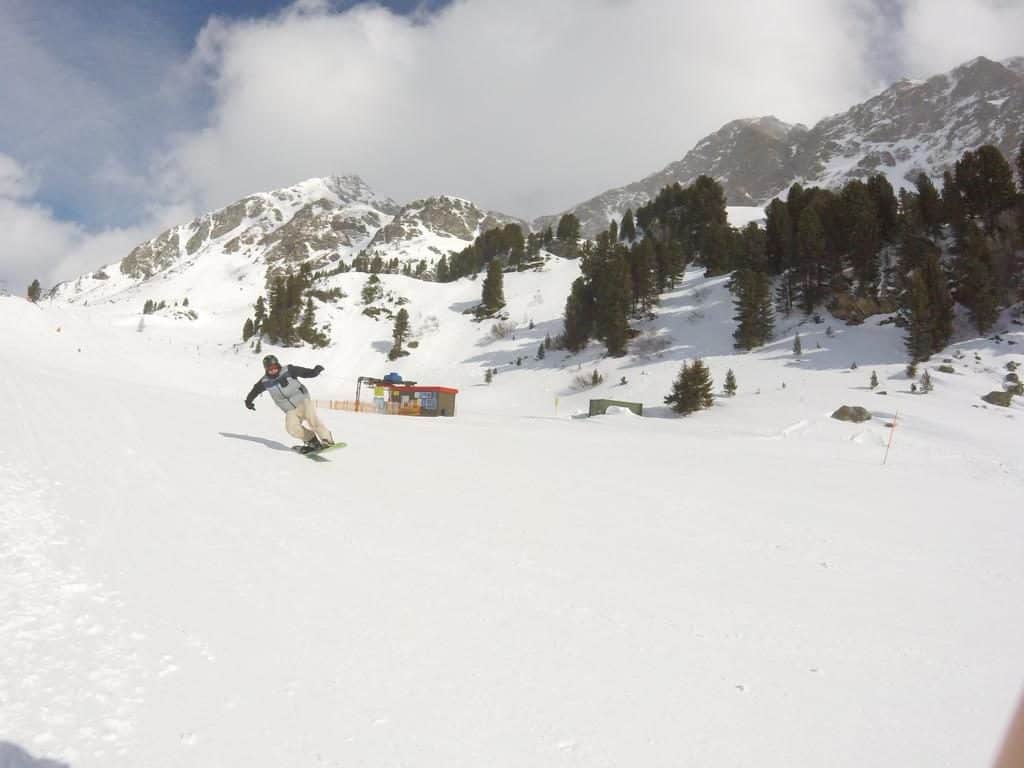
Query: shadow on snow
{"type": "Point", "coordinates": [272, 444]}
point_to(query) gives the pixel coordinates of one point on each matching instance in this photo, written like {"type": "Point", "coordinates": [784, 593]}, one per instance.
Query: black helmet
{"type": "Point", "coordinates": [270, 360]}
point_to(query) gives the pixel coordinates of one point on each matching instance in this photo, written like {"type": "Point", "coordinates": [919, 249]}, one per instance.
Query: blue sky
{"type": "Point", "coordinates": [101, 104]}
{"type": "Point", "coordinates": [119, 118]}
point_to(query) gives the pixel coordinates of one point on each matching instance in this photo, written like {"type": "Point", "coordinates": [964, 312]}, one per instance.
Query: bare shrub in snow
{"type": "Point", "coordinates": [430, 325]}
{"type": "Point", "coordinates": [582, 381]}
{"type": "Point", "coordinates": [502, 330]}
{"type": "Point", "coordinates": [650, 344]}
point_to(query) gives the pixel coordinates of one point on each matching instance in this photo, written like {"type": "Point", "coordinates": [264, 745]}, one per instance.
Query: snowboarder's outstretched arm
{"type": "Point", "coordinates": [255, 392]}
{"type": "Point", "coordinates": [304, 373]}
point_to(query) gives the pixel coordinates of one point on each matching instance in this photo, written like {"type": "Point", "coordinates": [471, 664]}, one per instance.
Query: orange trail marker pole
{"type": "Point", "coordinates": [891, 433]}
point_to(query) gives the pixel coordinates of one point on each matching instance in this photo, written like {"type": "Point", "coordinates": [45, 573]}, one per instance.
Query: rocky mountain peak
{"type": "Point", "coordinates": [435, 222]}
{"type": "Point", "coordinates": [909, 128]}
{"type": "Point", "coordinates": [315, 222]}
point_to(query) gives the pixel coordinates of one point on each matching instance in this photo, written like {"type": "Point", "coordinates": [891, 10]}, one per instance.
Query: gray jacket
{"type": "Point", "coordinates": [285, 388]}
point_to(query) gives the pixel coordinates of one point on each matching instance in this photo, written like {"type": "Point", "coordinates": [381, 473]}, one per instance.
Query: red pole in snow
{"type": "Point", "coordinates": [891, 433]}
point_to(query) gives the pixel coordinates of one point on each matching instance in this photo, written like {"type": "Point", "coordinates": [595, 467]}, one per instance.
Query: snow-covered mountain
{"type": "Point", "coordinates": [315, 222]}
{"type": "Point", "coordinates": [911, 127]}
{"type": "Point", "coordinates": [435, 227]}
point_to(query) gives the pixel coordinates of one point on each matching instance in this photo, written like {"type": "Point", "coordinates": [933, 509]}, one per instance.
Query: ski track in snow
{"type": "Point", "coordinates": [70, 666]}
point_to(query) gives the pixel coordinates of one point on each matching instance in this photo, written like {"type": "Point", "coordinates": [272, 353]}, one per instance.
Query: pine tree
{"type": "Point", "coordinates": [488, 376]}
{"type": "Point", "coordinates": [796, 201]}
{"type": "Point", "coordinates": [919, 319]}
{"type": "Point", "coordinates": [797, 346]}
{"type": "Point", "coordinates": [926, 382]}
{"type": "Point", "coordinates": [1020, 213]}
{"type": "Point", "coordinates": [863, 235]}
{"type": "Point", "coordinates": [755, 316]}
{"type": "Point", "coordinates": [786, 292]}
{"type": "Point", "coordinates": [929, 205]}
{"type": "Point", "coordinates": [260, 315]}
{"type": "Point", "coordinates": [810, 256]}
{"type": "Point", "coordinates": [372, 290]}
{"type": "Point", "coordinates": [441, 270]}
{"type": "Point", "coordinates": [307, 331]}
{"type": "Point", "coordinates": [954, 212]}
{"type": "Point", "coordinates": [874, 379]}
{"type": "Point", "coordinates": [983, 303]}
{"type": "Point", "coordinates": [493, 295]}
{"type": "Point", "coordinates": [752, 250]}
{"type": "Point", "coordinates": [717, 249]}
{"type": "Point", "coordinates": [669, 262]}
{"type": "Point", "coordinates": [764, 311]}
{"type": "Point", "coordinates": [627, 231]}
{"type": "Point", "coordinates": [702, 383]}
{"type": "Point", "coordinates": [399, 334]}
{"type": "Point", "coordinates": [274, 326]}
{"type": "Point", "coordinates": [579, 316]}
{"type": "Point", "coordinates": [692, 389]}
{"type": "Point", "coordinates": [730, 383]}
{"type": "Point", "coordinates": [778, 237]}
{"type": "Point", "coordinates": [683, 398]}
{"type": "Point", "coordinates": [1020, 166]}
{"type": "Point", "coordinates": [613, 299]}
{"type": "Point", "coordinates": [886, 207]}
{"type": "Point", "coordinates": [976, 280]}
{"type": "Point", "coordinates": [641, 258]}
{"type": "Point", "coordinates": [986, 182]}
{"type": "Point", "coordinates": [541, 352]}
{"type": "Point", "coordinates": [247, 329]}
{"type": "Point", "coordinates": [568, 230]}
{"type": "Point", "coordinates": [35, 291]}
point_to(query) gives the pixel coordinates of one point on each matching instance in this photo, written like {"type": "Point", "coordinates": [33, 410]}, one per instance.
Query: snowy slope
{"type": "Point", "coordinates": [513, 586]}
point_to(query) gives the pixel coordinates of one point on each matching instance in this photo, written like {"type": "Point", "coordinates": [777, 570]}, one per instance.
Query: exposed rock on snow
{"type": "Point", "coordinates": [853, 413]}
{"type": "Point", "coordinates": [995, 397]}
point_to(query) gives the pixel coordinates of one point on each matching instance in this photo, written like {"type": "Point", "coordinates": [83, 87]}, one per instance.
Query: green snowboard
{"type": "Point", "coordinates": [315, 455]}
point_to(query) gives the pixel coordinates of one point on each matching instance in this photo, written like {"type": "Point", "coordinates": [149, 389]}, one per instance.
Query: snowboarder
{"type": "Point", "coordinates": [292, 397]}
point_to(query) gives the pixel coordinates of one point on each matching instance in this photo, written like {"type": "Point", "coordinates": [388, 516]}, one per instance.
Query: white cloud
{"type": "Point", "coordinates": [85, 89]}
{"type": "Point", "coordinates": [38, 245]}
{"type": "Point", "coordinates": [941, 34]}
{"type": "Point", "coordinates": [527, 107]}
{"type": "Point", "coordinates": [14, 181]}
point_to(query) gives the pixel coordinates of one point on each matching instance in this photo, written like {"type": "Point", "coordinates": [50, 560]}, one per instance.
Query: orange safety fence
{"type": "Point", "coordinates": [368, 406]}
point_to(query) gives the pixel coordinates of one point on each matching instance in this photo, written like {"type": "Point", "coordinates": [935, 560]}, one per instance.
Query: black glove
{"type": "Point", "coordinates": [250, 406]}
{"type": "Point", "coordinates": [318, 370]}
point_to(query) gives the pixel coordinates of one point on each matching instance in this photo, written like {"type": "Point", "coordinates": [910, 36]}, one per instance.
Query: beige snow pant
{"type": "Point", "coordinates": [306, 411]}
